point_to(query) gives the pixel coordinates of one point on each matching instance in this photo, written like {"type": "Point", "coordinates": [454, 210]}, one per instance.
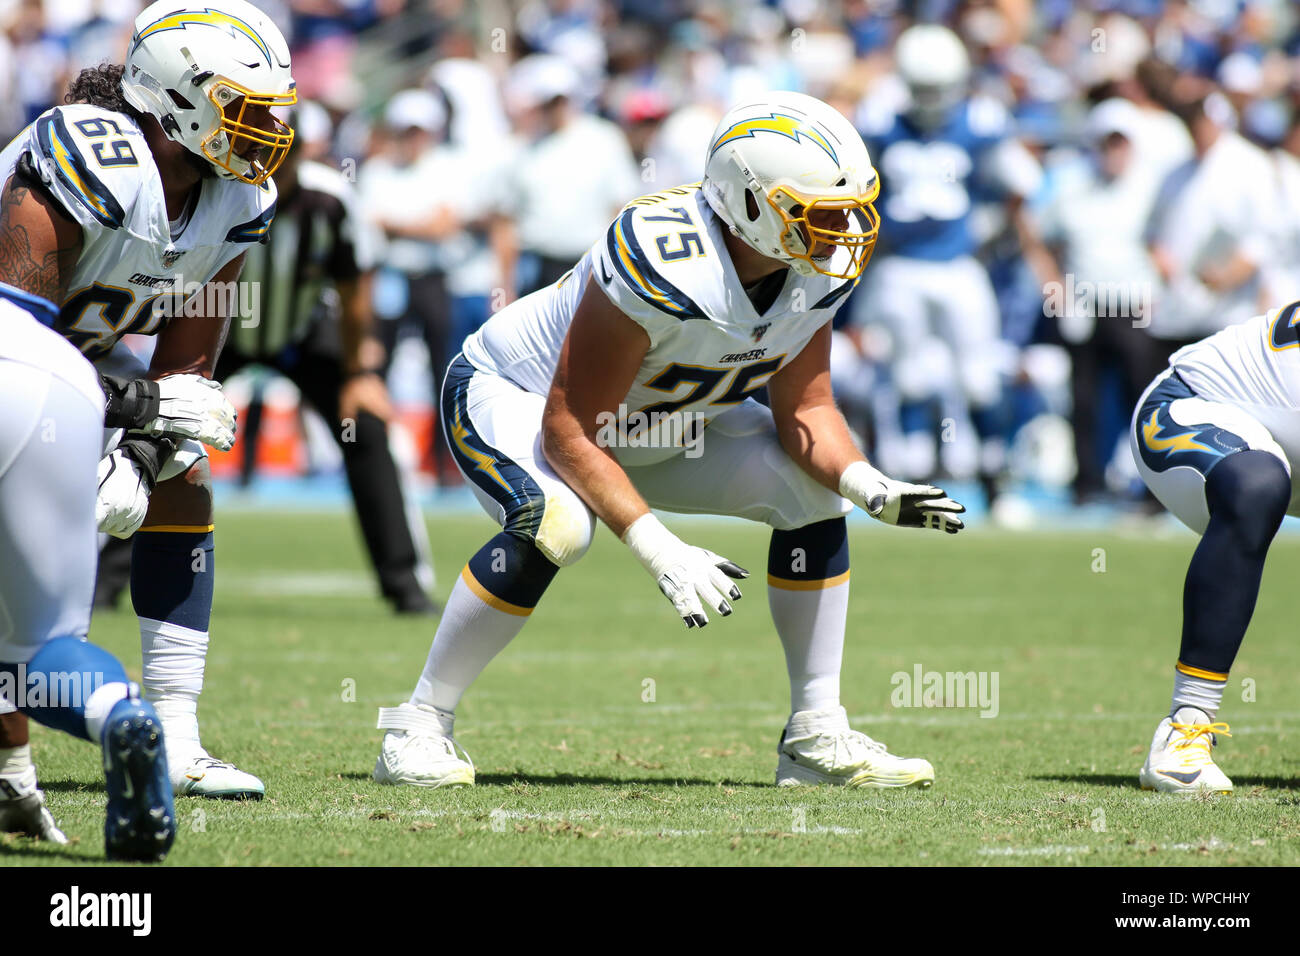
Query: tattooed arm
{"type": "Point", "coordinates": [39, 244]}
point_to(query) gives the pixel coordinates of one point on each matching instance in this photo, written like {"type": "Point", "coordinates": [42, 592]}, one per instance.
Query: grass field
{"type": "Point", "coordinates": [574, 767]}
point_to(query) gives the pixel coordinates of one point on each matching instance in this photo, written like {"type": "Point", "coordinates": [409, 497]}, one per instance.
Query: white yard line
{"type": "Point", "coordinates": [1033, 850]}
{"type": "Point", "coordinates": [340, 583]}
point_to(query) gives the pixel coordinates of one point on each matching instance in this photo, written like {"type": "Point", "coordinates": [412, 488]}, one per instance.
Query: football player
{"type": "Point", "coordinates": [1214, 437]}
{"type": "Point", "coordinates": [936, 154]}
{"type": "Point", "coordinates": [695, 299]}
{"type": "Point", "coordinates": [51, 435]}
{"type": "Point", "coordinates": [134, 204]}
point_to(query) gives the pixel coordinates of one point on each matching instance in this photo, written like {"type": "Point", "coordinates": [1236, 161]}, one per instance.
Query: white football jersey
{"type": "Point", "coordinates": [663, 262]}
{"type": "Point", "coordinates": [132, 275]}
{"type": "Point", "coordinates": [1253, 363]}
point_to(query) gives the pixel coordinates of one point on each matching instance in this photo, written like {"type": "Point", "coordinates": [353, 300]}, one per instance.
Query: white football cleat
{"type": "Point", "coordinates": [196, 773]}
{"type": "Point", "coordinates": [417, 753]}
{"type": "Point", "coordinates": [1180, 761]}
{"type": "Point", "coordinates": [819, 747]}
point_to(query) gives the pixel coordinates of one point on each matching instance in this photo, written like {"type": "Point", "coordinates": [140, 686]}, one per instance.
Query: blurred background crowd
{"type": "Point", "coordinates": [1071, 189]}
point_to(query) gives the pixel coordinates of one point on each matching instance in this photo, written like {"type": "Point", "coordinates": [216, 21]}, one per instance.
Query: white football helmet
{"type": "Point", "coordinates": [933, 62]}
{"type": "Point", "coordinates": [208, 71]}
{"type": "Point", "coordinates": [793, 179]}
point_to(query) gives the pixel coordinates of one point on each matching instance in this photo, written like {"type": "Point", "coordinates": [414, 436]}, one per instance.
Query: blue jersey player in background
{"type": "Point", "coordinates": [940, 151]}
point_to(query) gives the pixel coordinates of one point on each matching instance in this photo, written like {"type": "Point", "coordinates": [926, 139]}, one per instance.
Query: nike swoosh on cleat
{"type": "Point", "coordinates": [1180, 776]}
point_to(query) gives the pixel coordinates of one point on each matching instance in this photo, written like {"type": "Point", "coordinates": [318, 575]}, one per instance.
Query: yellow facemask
{"type": "Point", "coordinates": [859, 244]}
{"type": "Point", "coordinates": [238, 132]}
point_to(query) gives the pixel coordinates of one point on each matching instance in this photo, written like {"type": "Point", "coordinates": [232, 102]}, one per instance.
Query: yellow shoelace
{"type": "Point", "coordinates": [1191, 732]}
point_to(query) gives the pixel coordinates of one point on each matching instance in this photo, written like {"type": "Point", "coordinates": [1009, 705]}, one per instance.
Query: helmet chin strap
{"type": "Point", "coordinates": [204, 168]}
{"type": "Point", "coordinates": [798, 265]}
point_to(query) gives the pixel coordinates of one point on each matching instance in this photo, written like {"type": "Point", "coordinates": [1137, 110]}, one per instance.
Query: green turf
{"type": "Point", "coordinates": [575, 768]}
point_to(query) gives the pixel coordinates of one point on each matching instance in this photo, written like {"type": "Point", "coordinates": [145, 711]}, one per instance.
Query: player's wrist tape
{"type": "Point", "coordinates": [649, 540]}
{"type": "Point", "coordinates": [129, 403]}
{"type": "Point", "coordinates": [860, 482]}
{"type": "Point", "coordinates": [148, 453]}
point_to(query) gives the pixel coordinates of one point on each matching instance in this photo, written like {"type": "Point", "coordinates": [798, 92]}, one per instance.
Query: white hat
{"type": "Point", "coordinates": [1116, 115]}
{"type": "Point", "coordinates": [312, 122]}
{"type": "Point", "coordinates": [415, 108]}
{"type": "Point", "coordinates": [540, 78]}
{"type": "Point", "coordinates": [1240, 73]}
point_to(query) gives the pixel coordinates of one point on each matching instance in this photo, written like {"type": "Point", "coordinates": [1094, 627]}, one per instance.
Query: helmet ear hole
{"type": "Point", "coordinates": [751, 205]}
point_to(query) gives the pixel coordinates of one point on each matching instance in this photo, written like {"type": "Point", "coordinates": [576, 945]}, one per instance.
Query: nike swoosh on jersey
{"type": "Point", "coordinates": [605, 277]}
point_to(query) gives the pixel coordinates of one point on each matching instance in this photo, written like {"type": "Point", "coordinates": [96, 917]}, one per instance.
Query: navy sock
{"type": "Point", "coordinates": [172, 576]}
{"type": "Point", "coordinates": [1248, 494]}
{"type": "Point", "coordinates": [60, 679]}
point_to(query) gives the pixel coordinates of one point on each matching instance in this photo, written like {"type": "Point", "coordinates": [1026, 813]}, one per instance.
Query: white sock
{"type": "Point", "coordinates": [17, 772]}
{"type": "Point", "coordinates": [1190, 715]}
{"type": "Point", "coordinates": [98, 705]}
{"type": "Point", "coordinates": [172, 679]}
{"type": "Point", "coordinates": [470, 634]}
{"type": "Point", "coordinates": [1205, 695]}
{"type": "Point", "coordinates": [811, 626]}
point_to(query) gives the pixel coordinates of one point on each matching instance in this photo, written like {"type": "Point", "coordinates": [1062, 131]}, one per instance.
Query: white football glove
{"type": "Point", "coordinates": [123, 497]}
{"type": "Point", "coordinates": [686, 575]}
{"type": "Point", "coordinates": [191, 406]}
{"type": "Point", "coordinates": [898, 502]}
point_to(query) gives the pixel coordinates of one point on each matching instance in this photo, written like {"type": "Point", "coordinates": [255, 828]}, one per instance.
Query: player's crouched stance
{"type": "Point", "coordinates": [696, 298]}
{"type": "Point", "coordinates": [131, 207]}
{"type": "Point", "coordinates": [50, 439]}
{"type": "Point", "coordinates": [1214, 438]}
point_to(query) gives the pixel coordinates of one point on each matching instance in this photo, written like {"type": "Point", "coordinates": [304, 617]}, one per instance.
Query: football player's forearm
{"type": "Point", "coordinates": [594, 474]}
{"type": "Point", "coordinates": [193, 343]}
{"type": "Point", "coordinates": [819, 441]}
